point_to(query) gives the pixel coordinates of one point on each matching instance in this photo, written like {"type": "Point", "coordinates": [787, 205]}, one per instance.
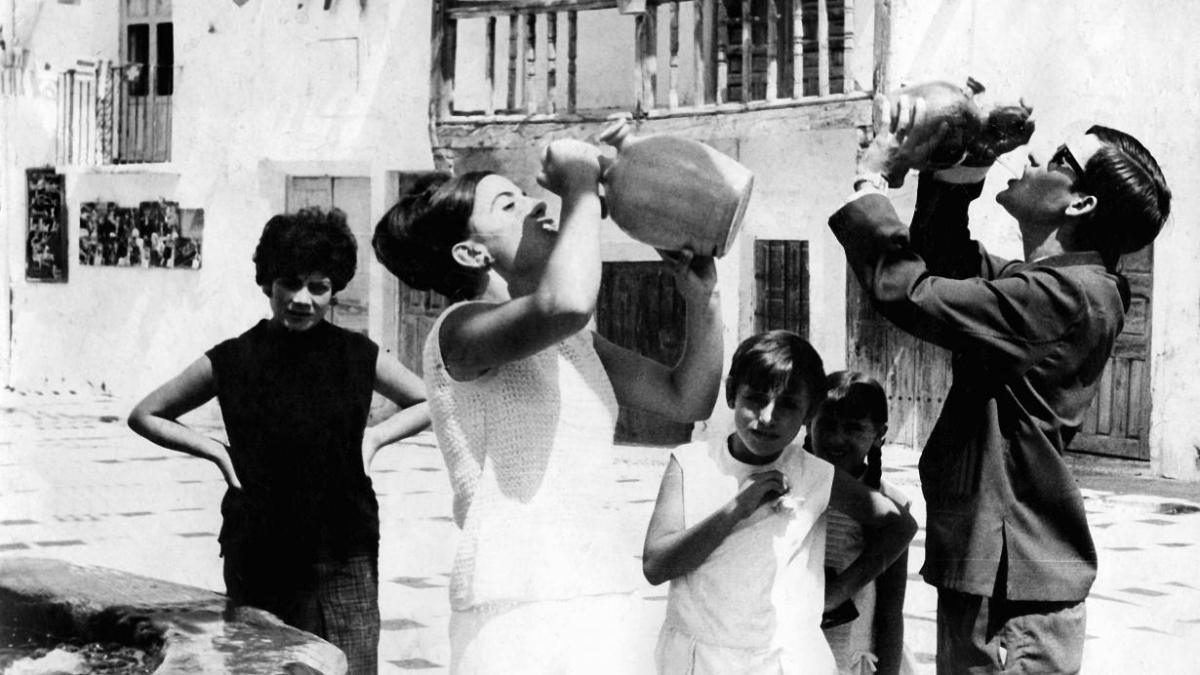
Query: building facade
{"type": "Point", "coordinates": [147, 141]}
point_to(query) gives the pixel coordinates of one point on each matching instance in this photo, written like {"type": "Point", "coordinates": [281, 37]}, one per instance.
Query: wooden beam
{"type": "Point", "coordinates": [847, 46]}
{"type": "Point", "coordinates": [460, 9]}
{"type": "Point", "coordinates": [747, 49]}
{"type": "Point", "coordinates": [571, 40]}
{"type": "Point", "coordinates": [881, 77]}
{"type": "Point", "coordinates": [822, 48]}
{"type": "Point", "coordinates": [650, 72]}
{"type": "Point", "coordinates": [490, 68]}
{"type": "Point", "coordinates": [514, 33]}
{"type": "Point", "coordinates": [772, 50]}
{"type": "Point", "coordinates": [673, 80]}
{"type": "Point", "coordinates": [725, 121]}
{"type": "Point", "coordinates": [551, 62]}
{"type": "Point", "coordinates": [702, 48]}
{"type": "Point", "coordinates": [797, 49]}
{"type": "Point", "coordinates": [530, 91]}
{"type": "Point", "coordinates": [722, 55]}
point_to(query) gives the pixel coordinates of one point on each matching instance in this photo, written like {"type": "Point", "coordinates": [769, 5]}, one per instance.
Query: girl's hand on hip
{"type": "Point", "coordinates": [225, 464]}
{"type": "Point", "coordinates": [369, 449]}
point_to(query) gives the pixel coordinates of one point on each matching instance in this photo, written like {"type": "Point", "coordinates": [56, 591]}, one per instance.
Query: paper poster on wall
{"type": "Point", "coordinates": [46, 232]}
{"type": "Point", "coordinates": [152, 234]}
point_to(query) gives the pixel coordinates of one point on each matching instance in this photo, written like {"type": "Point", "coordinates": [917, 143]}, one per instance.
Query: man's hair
{"type": "Point", "coordinates": [776, 362]}
{"type": "Point", "coordinates": [415, 239]}
{"type": "Point", "coordinates": [309, 240]}
{"type": "Point", "coordinates": [1133, 200]}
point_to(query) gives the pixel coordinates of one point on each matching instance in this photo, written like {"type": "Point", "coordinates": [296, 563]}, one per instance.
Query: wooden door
{"type": "Point", "coordinates": [1118, 422]}
{"type": "Point", "coordinates": [915, 374]}
{"type": "Point", "coordinates": [639, 309]}
{"type": "Point", "coordinates": [353, 196]}
{"type": "Point", "coordinates": [418, 311]}
{"type": "Point", "coordinates": [781, 285]}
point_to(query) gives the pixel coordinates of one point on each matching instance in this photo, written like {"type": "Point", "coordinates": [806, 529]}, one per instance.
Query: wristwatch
{"type": "Point", "coordinates": [871, 179]}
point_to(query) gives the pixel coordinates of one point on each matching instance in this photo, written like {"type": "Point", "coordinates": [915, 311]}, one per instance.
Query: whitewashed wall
{"type": "Point", "coordinates": [1128, 65]}
{"type": "Point", "coordinates": [263, 91]}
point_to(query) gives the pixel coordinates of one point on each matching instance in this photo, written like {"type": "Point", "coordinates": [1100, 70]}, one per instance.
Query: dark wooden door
{"type": "Point", "coordinates": [418, 311]}
{"type": "Point", "coordinates": [639, 309]}
{"type": "Point", "coordinates": [781, 285]}
{"type": "Point", "coordinates": [915, 374]}
{"type": "Point", "coordinates": [1118, 422]}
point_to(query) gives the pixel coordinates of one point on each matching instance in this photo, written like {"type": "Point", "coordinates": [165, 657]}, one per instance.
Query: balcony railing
{"type": "Point", "coordinates": [109, 114]}
{"type": "Point", "coordinates": [524, 58]}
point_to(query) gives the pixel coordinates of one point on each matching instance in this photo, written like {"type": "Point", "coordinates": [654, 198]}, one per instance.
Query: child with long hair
{"type": "Point", "coordinates": [739, 527]}
{"type": "Point", "coordinates": [848, 431]}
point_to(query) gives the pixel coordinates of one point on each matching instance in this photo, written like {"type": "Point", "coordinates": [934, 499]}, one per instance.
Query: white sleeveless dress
{"type": "Point", "coordinates": [538, 584]}
{"type": "Point", "coordinates": [754, 606]}
{"type": "Point", "coordinates": [853, 643]}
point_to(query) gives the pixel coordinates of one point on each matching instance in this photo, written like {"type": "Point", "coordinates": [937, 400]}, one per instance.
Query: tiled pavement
{"type": "Point", "coordinates": [75, 484]}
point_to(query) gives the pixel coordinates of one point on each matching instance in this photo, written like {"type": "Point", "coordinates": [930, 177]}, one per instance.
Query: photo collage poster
{"type": "Point", "coordinates": [46, 235]}
{"type": "Point", "coordinates": [152, 234]}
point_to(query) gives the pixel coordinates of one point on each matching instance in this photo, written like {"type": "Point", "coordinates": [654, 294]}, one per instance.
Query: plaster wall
{"type": "Point", "coordinates": [262, 92]}
{"type": "Point", "coordinates": [1122, 64]}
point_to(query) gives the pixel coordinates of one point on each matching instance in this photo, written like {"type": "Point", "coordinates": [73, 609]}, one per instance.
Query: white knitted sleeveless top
{"type": "Point", "coordinates": [528, 446]}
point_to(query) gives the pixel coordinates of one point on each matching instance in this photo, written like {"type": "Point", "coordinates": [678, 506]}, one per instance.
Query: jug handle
{"type": "Point", "coordinates": [615, 134]}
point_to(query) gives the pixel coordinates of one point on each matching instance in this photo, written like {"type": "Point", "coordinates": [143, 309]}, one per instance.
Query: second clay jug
{"type": "Point", "coordinates": [674, 193]}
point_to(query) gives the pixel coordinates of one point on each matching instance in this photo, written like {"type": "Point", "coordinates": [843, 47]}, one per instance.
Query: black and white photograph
{"type": "Point", "coordinates": [599, 337]}
{"type": "Point", "coordinates": [46, 236]}
{"type": "Point", "coordinates": [152, 234]}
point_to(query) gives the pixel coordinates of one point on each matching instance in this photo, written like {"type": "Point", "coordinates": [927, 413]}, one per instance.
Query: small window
{"type": "Point", "coordinates": [164, 74]}
{"type": "Point", "coordinates": [137, 41]}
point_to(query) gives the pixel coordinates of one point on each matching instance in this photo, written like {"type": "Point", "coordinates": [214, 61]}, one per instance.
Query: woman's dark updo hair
{"type": "Point", "coordinates": [309, 240]}
{"type": "Point", "coordinates": [415, 238]}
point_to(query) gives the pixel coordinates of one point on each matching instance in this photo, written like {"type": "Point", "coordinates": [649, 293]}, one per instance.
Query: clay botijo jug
{"type": "Point", "coordinates": [674, 193]}
{"type": "Point", "coordinates": [975, 132]}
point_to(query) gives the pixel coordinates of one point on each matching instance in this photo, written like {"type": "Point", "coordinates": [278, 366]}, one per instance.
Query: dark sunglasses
{"type": "Point", "coordinates": [1062, 156]}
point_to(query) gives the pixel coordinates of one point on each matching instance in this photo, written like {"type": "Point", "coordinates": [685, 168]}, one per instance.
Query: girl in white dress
{"type": "Point", "coordinates": [523, 396]}
{"type": "Point", "coordinates": [739, 528]}
{"type": "Point", "coordinates": [847, 431]}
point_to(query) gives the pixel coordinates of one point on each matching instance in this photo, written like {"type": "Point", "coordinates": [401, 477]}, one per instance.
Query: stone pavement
{"type": "Point", "coordinates": [76, 484]}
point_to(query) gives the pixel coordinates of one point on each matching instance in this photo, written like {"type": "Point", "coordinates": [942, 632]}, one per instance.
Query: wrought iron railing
{"type": "Point", "coordinates": [114, 114]}
{"type": "Point", "coordinates": [735, 54]}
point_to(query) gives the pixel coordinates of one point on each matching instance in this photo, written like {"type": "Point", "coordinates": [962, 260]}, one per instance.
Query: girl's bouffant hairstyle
{"type": "Point", "coordinates": [414, 240]}
{"type": "Point", "coordinates": [309, 240]}
{"type": "Point", "coordinates": [775, 362]}
{"type": "Point", "coordinates": [853, 394]}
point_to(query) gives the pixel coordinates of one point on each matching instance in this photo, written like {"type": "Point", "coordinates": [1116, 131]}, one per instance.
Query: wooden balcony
{"type": "Point", "coordinates": [110, 114]}
{"type": "Point", "coordinates": [535, 60]}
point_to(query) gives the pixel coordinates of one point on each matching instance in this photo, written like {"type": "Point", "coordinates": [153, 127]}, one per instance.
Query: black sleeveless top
{"type": "Point", "coordinates": [295, 405]}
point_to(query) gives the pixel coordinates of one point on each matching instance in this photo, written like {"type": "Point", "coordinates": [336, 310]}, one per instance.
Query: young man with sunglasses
{"type": "Point", "coordinates": [1008, 545]}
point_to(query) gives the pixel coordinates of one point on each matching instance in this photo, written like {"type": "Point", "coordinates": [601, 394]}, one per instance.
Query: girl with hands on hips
{"type": "Point", "coordinates": [300, 520]}
{"type": "Point", "coordinates": [524, 396]}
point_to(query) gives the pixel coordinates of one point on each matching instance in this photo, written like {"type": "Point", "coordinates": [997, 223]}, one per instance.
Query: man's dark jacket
{"type": "Point", "coordinates": [1029, 343]}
